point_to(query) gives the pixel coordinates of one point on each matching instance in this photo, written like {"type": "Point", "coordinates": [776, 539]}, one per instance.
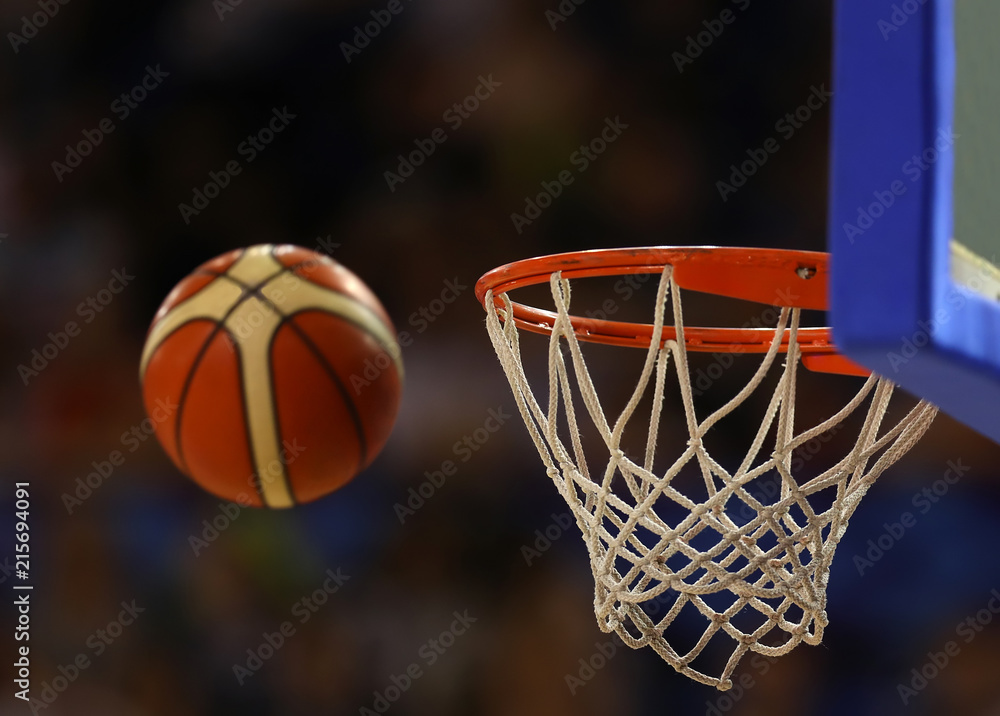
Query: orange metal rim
{"type": "Point", "coordinates": [777, 277]}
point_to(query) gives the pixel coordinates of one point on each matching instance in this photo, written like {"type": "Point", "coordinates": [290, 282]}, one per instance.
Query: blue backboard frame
{"type": "Point", "coordinates": [894, 305]}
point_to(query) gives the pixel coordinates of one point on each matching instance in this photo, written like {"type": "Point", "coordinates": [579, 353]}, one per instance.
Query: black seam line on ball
{"type": "Point", "coordinates": [219, 326]}
{"type": "Point", "coordinates": [352, 409]}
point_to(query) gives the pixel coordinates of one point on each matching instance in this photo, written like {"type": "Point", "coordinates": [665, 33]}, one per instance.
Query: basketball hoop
{"type": "Point", "coordinates": [760, 583]}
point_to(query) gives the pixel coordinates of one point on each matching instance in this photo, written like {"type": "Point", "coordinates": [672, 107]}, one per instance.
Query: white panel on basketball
{"type": "Point", "coordinates": [258, 397]}
{"type": "Point", "coordinates": [211, 304]}
{"type": "Point", "coordinates": [255, 266]}
{"type": "Point", "coordinates": [306, 295]}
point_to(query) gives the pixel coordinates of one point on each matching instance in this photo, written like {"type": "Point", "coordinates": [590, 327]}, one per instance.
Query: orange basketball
{"type": "Point", "coordinates": [272, 375]}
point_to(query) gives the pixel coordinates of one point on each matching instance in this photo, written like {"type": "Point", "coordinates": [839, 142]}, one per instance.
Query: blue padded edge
{"type": "Point", "coordinates": [894, 307]}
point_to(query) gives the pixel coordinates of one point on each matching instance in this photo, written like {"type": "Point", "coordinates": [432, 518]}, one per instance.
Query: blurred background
{"type": "Point", "coordinates": [698, 83]}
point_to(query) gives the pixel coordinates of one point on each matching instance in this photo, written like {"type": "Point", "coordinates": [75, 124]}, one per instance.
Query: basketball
{"type": "Point", "coordinates": [272, 375]}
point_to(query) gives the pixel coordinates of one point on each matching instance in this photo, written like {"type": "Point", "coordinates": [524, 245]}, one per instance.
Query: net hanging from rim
{"type": "Point", "coordinates": [759, 583]}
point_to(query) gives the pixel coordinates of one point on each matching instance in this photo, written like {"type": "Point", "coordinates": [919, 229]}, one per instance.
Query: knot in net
{"type": "Point", "coordinates": [708, 560]}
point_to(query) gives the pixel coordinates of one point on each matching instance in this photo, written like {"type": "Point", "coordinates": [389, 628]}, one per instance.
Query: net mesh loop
{"type": "Point", "coordinates": [759, 585]}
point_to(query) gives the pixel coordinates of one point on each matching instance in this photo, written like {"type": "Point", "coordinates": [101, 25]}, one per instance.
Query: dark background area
{"type": "Point", "coordinates": [321, 184]}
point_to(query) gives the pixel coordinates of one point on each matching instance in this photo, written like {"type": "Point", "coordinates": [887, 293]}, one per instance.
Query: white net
{"type": "Point", "coordinates": [751, 579]}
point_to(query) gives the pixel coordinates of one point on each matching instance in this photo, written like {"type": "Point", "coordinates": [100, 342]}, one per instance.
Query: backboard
{"type": "Point", "coordinates": [915, 289]}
